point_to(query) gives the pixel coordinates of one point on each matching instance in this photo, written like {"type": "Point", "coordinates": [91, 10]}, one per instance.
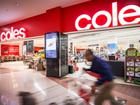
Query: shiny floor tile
{"type": "Point", "coordinates": [41, 87]}
{"type": "Point", "coordinates": [17, 77]}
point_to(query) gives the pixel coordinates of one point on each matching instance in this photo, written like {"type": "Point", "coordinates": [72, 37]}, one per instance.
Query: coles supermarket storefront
{"type": "Point", "coordinates": [109, 28]}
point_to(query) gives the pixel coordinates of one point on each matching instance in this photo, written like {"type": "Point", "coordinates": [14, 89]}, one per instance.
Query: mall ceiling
{"type": "Point", "coordinates": [15, 10]}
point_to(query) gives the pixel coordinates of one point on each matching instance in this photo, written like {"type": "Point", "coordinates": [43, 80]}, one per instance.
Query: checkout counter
{"type": "Point", "coordinates": [117, 66]}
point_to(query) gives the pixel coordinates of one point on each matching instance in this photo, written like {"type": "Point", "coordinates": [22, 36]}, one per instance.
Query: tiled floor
{"type": "Point", "coordinates": [17, 77]}
{"type": "Point", "coordinates": [121, 91]}
{"type": "Point", "coordinates": [43, 89]}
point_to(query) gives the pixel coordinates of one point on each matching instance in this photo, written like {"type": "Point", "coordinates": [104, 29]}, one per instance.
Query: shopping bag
{"type": "Point", "coordinates": [84, 94]}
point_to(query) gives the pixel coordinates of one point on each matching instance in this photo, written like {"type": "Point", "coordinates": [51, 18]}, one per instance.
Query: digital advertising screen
{"type": "Point", "coordinates": [112, 45]}
{"type": "Point", "coordinates": [51, 45]}
{"type": "Point", "coordinates": [112, 48]}
{"type": "Point", "coordinates": [30, 46]}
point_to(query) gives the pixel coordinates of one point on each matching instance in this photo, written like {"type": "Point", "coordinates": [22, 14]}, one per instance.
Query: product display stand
{"type": "Point", "coordinates": [137, 69]}
{"type": "Point", "coordinates": [132, 66]}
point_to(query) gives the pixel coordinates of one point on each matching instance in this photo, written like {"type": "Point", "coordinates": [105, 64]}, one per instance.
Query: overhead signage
{"type": "Point", "coordinates": [112, 19]}
{"type": "Point", "coordinates": [13, 34]}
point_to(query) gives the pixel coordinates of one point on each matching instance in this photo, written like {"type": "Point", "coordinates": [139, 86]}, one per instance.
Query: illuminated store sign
{"type": "Point", "coordinates": [13, 34]}
{"type": "Point", "coordinates": [122, 17]}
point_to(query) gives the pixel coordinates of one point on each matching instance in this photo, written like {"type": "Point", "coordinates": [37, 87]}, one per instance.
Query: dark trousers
{"type": "Point", "coordinates": [105, 94]}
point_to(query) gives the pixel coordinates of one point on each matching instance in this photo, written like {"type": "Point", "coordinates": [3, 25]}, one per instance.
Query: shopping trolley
{"type": "Point", "coordinates": [84, 83]}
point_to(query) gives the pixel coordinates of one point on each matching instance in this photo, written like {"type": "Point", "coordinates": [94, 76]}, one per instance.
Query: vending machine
{"type": "Point", "coordinates": [56, 53]}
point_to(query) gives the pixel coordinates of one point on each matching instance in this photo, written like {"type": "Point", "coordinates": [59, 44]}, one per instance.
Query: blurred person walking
{"type": "Point", "coordinates": [105, 82]}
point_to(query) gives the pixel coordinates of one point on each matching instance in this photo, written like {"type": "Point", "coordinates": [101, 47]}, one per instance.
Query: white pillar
{"type": "Point", "coordinates": [21, 49]}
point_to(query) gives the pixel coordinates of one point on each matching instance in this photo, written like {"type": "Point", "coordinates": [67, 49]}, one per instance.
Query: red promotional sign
{"type": "Point", "coordinates": [93, 14]}
{"type": "Point", "coordinates": [9, 50]}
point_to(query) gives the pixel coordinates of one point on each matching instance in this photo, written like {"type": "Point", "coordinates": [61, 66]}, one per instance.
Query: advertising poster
{"type": "Point", "coordinates": [130, 61]}
{"type": "Point", "coordinates": [137, 72]}
{"type": "Point", "coordinates": [112, 47]}
{"type": "Point", "coordinates": [30, 46]}
{"type": "Point", "coordinates": [137, 62]}
{"type": "Point", "coordinates": [131, 52]}
{"type": "Point", "coordinates": [130, 71]}
{"type": "Point", "coordinates": [137, 67]}
{"type": "Point", "coordinates": [51, 45]}
{"type": "Point", "coordinates": [9, 50]}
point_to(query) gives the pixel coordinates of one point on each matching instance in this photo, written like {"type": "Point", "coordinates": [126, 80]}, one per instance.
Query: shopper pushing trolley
{"type": "Point", "coordinates": [105, 82]}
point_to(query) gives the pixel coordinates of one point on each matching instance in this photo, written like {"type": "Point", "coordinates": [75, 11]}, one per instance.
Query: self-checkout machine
{"type": "Point", "coordinates": [56, 54]}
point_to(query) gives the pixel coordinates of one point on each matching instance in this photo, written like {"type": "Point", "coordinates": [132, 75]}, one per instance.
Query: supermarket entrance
{"type": "Point", "coordinates": [108, 44]}
{"type": "Point", "coordinates": [30, 51]}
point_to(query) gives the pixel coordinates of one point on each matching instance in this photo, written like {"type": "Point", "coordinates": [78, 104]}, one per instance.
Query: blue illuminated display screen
{"type": "Point", "coordinates": [112, 45]}
{"type": "Point", "coordinates": [51, 45]}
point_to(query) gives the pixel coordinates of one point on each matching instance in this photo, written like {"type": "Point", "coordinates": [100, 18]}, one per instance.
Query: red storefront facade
{"type": "Point", "coordinates": [63, 19]}
{"type": "Point", "coordinates": [84, 16]}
